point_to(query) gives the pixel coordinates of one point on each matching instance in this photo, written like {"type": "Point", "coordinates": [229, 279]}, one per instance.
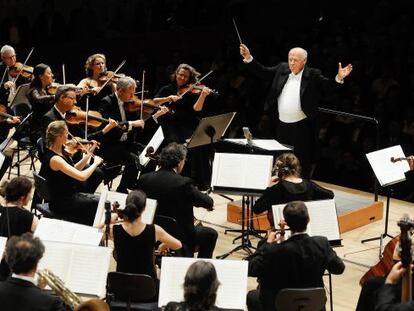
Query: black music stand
{"type": "Point", "coordinates": [209, 130]}
{"type": "Point", "coordinates": [388, 173]}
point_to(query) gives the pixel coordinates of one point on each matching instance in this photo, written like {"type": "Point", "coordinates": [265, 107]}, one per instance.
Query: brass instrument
{"type": "Point", "coordinates": [70, 298]}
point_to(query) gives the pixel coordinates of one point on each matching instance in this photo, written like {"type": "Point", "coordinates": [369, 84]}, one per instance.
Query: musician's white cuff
{"type": "Point", "coordinates": [248, 60]}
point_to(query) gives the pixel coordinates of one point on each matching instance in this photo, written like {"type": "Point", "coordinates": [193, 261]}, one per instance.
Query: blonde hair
{"type": "Point", "coordinates": [54, 130]}
{"type": "Point", "coordinates": [89, 63]}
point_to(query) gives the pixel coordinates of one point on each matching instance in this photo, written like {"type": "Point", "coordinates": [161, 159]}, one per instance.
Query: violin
{"type": "Point", "coordinates": [111, 76]}
{"type": "Point", "coordinates": [52, 89]}
{"type": "Point", "coordinates": [76, 144]}
{"type": "Point", "coordinates": [135, 105]}
{"type": "Point", "coordinates": [195, 89]}
{"type": "Point", "coordinates": [3, 113]}
{"type": "Point", "coordinates": [78, 116]}
{"type": "Point", "coordinates": [22, 70]}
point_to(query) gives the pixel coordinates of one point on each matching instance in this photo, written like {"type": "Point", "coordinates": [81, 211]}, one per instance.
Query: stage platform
{"type": "Point", "coordinates": [354, 210]}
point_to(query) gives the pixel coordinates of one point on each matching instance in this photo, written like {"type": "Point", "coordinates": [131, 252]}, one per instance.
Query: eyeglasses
{"type": "Point", "coordinates": [71, 97]}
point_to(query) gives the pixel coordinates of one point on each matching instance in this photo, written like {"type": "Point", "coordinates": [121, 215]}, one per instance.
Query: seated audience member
{"type": "Point", "coordinates": [298, 262]}
{"type": "Point", "coordinates": [200, 289]}
{"type": "Point", "coordinates": [135, 241]}
{"type": "Point", "coordinates": [289, 186]}
{"type": "Point", "coordinates": [65, 178]}
{"type": "Point", "coordinates": [20, 291]}
{"type": "Point", "coordinates": [176, 196]}
{"type": "Point", "coordinates": [14, 218]}
{"type": "Point", "coordinates": [389, 295]}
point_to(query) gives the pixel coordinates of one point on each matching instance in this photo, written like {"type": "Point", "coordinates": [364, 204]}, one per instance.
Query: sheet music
{"type": "Point", "coordinates": [69, 232]}
{"type": "Point", "coordinates": [3, 241]}
{"type": "Point", "coordinates": [387, 172]}
{"type": "Point", "coordinates": [112, 196]}
{"type": "Point", "coordinates": [244, 171]}
{"type": "Point", "coordinates": [267, 144]}
{"type": "Point", "coordinates": [155, 142]}
{"type": "Point", "coordinates": [82, 268]}
{"type": "Point", "coordinates": [232, 275]}
{"type": "Point", "coordinates": [323, 218]}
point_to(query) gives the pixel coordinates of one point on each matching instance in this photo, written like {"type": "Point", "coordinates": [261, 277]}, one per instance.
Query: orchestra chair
{"type": "Point", "coordinates": [303, 299]}
{"type": "Point", "coordinates": [129, 291]}
{"type": "Point", "coordinates": [22, 137]}
{"type": "Point", "coordinates": [170, 225]}
{"type": "Point", "coordinates": [42, 191]}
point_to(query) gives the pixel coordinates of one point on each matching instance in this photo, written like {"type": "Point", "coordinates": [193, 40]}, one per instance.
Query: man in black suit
{"type": "Point", "coordinates": [20, 291]}
{"type": "Point", "coordinates": [293, 99]}
{"type": "Point", "coordinates": [176, 196]}
{"type": "Point", "coordinates": [118, 142]}
{"type": "Point", "coordinates": [298, 262]}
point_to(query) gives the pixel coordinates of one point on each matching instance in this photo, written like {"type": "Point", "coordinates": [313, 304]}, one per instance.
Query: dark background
{"type": "Point", "coordinates": [157, 35]}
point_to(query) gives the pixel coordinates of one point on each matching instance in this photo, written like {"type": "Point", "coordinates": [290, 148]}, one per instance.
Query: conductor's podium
{"type": "Point", "coordinates": [354, 208]}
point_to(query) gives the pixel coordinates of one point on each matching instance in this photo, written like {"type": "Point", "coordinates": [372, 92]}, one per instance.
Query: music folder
{"type": "Point", "coordinates": [386, 171]}
{"type": "Point", "coordinates": [323, 219]}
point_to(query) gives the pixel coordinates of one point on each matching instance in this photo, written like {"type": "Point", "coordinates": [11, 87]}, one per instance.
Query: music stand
{"type": "Point", "coordinates": [241, 174]}
{"type": "Point", "coordinates": [388, 173]}
{"type": "Point", "coordinates": [21, 95]}
{"type": "Point", "coordinates": [209, 130]}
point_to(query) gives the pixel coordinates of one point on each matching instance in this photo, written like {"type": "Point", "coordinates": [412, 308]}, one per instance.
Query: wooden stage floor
{"type": "Point", "coordinates": [359, 257]}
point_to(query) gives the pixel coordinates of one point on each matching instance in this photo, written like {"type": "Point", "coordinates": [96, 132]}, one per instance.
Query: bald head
{"type": "Point", "coordinates": [297, 59]}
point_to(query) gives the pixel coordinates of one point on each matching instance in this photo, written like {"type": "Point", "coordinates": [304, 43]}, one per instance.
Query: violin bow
{"type": "Point", "coordinates": [115, 72]}
{"type": "Point", "coordinates": [24, 64]}
{"type": "Point", "coordinates": [63, 74]}
{"type": "Point", "coordinates": [197, 82]}
{"type": "Point", "coordinates": [142, 95]}
{"type": "Point", "coordinates": [237, 31]}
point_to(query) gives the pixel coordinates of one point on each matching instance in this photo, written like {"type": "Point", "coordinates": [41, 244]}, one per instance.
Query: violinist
{"type": "Point", "coordinates": [65, 178]}
{"type": "Point", "coordinates": [95, 69]}
{"type": "Point", "coordinates": [287, 185]}
{"type": "Point", "coordinates": [298, 262]}
{"type": "Point", "coordinates": [8, 82]}
{"type": "Point", "coordinates": [118, 142]}
{"type": "Point", "coordinates": [39, 98]}
{"type": "Point", "coordinates": [180, 125]}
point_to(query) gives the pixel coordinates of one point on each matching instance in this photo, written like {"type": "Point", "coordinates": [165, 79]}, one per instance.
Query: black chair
{"type": "Point", "coordinates": [170, 225]}
{"type": "Point", "coordinates": [22, 137]}
{"type": "Point", "coordinates": [301, 299]}
{"type": "Point", "coordinates": [42, 190]}
{"type": "Point", "coordinates": [128, 291]}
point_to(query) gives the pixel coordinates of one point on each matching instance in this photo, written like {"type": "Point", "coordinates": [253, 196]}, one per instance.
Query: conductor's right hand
{"type": "Point", "coordinates": [244, 51]}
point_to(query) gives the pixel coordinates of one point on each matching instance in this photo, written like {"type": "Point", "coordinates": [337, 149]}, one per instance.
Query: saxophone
{"type": "Point", "coordinates": [70, 298]}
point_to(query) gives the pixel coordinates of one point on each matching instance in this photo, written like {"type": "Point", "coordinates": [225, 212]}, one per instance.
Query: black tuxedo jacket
{"type": "Point", "coordinates": [176, 196]}
{"type": "Point", "coordinates": [4, 93]}
{"type": "Point", "coordinates": [298, 262]}
{"type": "Point", "coordinates": [313, 86]}
{"type": "Point", "coordinates": [21, 295]}
{"type": "Point", "coordinates": [48, 117]}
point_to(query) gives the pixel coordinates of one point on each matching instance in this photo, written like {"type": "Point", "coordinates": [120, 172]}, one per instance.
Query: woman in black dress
{"type": "Point", "coordinates": [135, 241]}
{"type": "Point", "coordinates": [65, 178]}
{"type": "Point", "coordinates": [39, 98]}
{"type": "Point", "coordinates": [14, 218]}
{"type": "Point", "coordinates": [288, 186]}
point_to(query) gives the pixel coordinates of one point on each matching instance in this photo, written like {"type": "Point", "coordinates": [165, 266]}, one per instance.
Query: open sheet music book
{"type": "Point", "coordinates": [82, 268]}
{"type": "Point", "coordinates": [387, 172]}
{"type": "Point", "coordinates": [64, 231]}
{"type": "Point", "coordinates": [112, 196]}
{"type": "Point", "coordinates": [3, 241]}
{"type": "Point", "coordinates": [265, 144]}
{"type": "Point", "coordinates": [323, 219]}
{"type": "Point", "coordinates": [241, 171]}
{"type": "Point", "coordinates": [232, 275]}
{"type": "Point", "coordinates": [155, 143]}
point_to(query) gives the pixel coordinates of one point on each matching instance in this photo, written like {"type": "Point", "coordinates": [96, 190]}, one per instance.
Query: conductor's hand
{"type": "Point", "coordinates": [244, 51]}
{"type": "Point", "coordinates": [344, 72]}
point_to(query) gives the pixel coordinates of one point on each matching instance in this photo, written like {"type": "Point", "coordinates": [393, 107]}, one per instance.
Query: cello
{"type": "Point", "coordinates": [406, 225]}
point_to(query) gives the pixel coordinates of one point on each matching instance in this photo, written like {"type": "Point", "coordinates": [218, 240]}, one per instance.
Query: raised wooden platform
{"type": "Point", "coordinates": [353, 211]}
